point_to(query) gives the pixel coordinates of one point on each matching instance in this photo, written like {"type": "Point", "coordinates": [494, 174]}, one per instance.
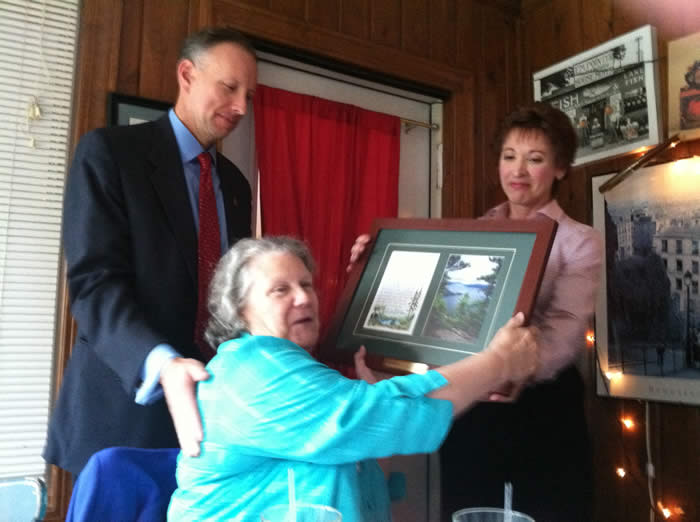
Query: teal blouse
{"type": "Point", "coordinates": [270, 406]}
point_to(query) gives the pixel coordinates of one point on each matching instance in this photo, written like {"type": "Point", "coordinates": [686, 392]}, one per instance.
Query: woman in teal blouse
{"type": "Point", "coordinates": [270, 406]}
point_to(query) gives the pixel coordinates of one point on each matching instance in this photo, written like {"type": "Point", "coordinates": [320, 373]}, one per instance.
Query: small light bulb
{"type": "Point", "coordinates": [590, 338]}
{"type": "Point", "coordinates": [664, 510]}
{"type": "Point", "coordinates": [627, 422]}
{"type": "Point", "coordinates": [621, 472]}
{"type": "Point", "coordinates": [613, 376]}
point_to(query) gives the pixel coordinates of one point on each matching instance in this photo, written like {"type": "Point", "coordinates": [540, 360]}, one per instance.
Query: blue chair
{"type": "Point", "coordinates": [119, 484]}
{"type": "Point", "coordinates": [22, 499]}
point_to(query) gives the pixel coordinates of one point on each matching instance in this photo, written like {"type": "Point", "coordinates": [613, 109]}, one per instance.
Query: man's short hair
{"type": "Point", "coordinates": [204, 39]}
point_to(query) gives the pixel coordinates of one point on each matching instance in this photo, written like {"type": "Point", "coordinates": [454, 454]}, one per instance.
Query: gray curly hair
{"type": "Point", "coordinates": [232, 279]}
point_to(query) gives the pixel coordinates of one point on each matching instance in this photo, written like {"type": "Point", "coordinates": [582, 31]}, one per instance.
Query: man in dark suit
{"type": "Point", "coordinates": [131, 229]}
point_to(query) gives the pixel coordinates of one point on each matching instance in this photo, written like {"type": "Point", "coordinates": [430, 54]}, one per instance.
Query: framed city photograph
{"type": "Point", "coordinates": [429, 292]}
{"type": "Point", "coordinates": [123, 109]}
{"type": "Point", "coordinates": [610, 93]}
{"type": "Point", "coordinates": [647, 322]}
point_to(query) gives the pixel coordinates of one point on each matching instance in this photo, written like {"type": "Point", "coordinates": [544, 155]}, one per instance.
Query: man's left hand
{"type": "Point", "coordinates": [179, 378]}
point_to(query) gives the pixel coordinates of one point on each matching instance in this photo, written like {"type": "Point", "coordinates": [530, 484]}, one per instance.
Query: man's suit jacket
{"type": "Point", "coordinates": [131, 250]}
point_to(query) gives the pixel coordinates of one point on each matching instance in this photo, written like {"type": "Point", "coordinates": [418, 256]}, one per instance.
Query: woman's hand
{"type": "Point", "coordinates": [361, 369]}
{"type": "Point", "coordinates": [516, 348]}
{"type": "Point", "coordinates": [509, 359]}
{"type": "Point", "coordinates": [357, 249]}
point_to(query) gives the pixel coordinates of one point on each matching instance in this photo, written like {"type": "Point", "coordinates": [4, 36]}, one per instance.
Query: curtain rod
{"type": "Point", "coordinates": [413, 123]}
{"type": "Point", "coordinates": [618, 178]}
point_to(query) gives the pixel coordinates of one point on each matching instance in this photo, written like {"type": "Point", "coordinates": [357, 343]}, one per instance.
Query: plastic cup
{"type": "Point", "coordinates": [489, 515]}
{"type": "Point", "coordinates": [304, 513]}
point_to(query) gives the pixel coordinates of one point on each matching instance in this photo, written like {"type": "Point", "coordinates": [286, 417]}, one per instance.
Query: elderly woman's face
{"type": "Point", "coordinates": [282, 301]}
{"type": "Point", "coordinates": [527, 169]}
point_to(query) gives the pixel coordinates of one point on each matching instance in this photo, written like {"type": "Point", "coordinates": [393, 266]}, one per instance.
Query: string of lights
{"type": "Point", "coordinates": [628, 425]}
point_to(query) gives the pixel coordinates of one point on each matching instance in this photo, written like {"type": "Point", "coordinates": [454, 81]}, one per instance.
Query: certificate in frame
{"type": "Point", "coordinates": [432, 291]}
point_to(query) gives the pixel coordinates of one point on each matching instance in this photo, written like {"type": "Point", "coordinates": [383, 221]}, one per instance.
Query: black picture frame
{"type": "Point", "coordinates": [123, 109]}
{"type": "Point", "coordinates": [610, 94]}
{"type": "Point", "coordinates": [432, 291]}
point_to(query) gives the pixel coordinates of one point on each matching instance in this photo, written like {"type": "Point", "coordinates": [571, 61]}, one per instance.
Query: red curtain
{"type": "Point", "coordinates": [327, 169]}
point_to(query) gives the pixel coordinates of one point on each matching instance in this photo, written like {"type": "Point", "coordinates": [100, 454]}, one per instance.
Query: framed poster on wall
{"type": "Point", "coordinates": [610, 93]}
{"type": "Point", "coordinates": [432, 291]}
{"type": "Point", "coordinates": [648, 310]}
{"type": "Point", "coordinates": [684, 87]}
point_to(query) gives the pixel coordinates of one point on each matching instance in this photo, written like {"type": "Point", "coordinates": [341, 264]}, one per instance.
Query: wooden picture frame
{"type": "Point", "coordinates": [429, 292]}
{"type": "Point", "coordinates": [123, 109]}
{"type": "Point", "coordinates": [610, 93]}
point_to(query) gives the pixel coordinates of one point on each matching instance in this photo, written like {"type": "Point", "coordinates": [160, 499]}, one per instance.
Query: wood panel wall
{"type": "Point", "coordinates": [553, 30]}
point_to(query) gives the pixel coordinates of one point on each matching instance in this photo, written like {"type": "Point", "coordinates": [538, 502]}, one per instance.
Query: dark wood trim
{"type": "Point", "coordinates": [459, 153]}
{"type": "Point", "coordinates": [200, 15]}
{"type": "Point", "coordinates": [97, 64]}
{"type": "Point", "coordinates": [513, 7]}
{"type": "Point", "coordinates": [311, 58]}
{"type": "Point", "coordinates": [527, 5]}
{"type": "Point", "coordinates": [261, 24]}
{"type": "Point", "coordinates": [60, 483]}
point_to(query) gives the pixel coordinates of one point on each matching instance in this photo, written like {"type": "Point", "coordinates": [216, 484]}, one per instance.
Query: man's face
{"type": "Point", "coordinates": [215, 91]}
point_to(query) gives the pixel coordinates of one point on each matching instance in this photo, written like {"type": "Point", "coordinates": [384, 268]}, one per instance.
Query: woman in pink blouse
{"type": "Point", "coordinates": [537, 439]}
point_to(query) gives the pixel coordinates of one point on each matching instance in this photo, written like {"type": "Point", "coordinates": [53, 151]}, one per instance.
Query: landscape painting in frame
{"type": "Point", "coordinates": [648, 309]}
{"type": "Point", "coordinates": [610, 94]}
{"type": "Point", "coordinates": [463, 297]}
